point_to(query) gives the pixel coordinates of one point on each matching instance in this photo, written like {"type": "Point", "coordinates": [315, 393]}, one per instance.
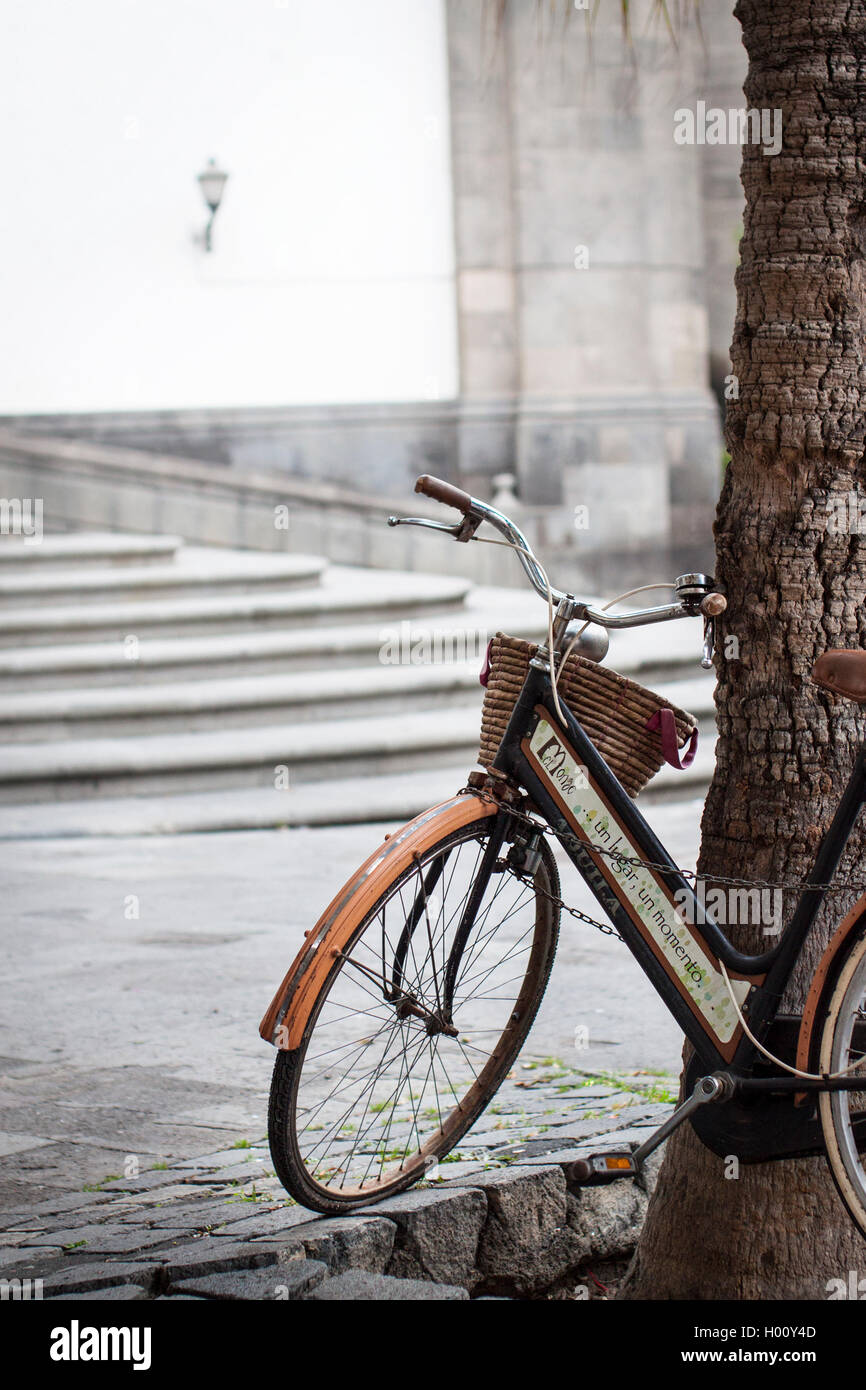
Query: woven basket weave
{"type": "Point", "coordinates": [612, 710]}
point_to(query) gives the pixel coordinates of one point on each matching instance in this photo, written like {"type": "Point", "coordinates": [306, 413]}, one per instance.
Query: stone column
{"type": "Point", "coordinates": [581, 262]}
{"type": "Point", "coordinates": [723, 198]}
{"type": "Point", "coordinates": [482, 152]}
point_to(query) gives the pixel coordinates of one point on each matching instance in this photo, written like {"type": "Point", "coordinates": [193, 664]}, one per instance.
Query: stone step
{"type": "Point", "coordinates": [250, 700]}
{"type": "Point", "coordinates": [255, 757]}
{"type": "Point", "coordinates": [251, 756]}
{"type": "Point", "coordinates": [86, 548]}
{"type": "Point", "coordinates": [670, 783]}
{"type": "Point", "coordinates": [442, 635]}
{"type": "Point", "coordinates": [390, 798]}
{"type": "Point", "coordinates": [238, 702]}
{"type": "Point", "coordinates": [192, 570]}
{"type": "Point", "coordinates": [200, 659]}
{"type": "Point", "coordinates": [203, 681]}
{"type": "Point", "coordinates": [693, 694]}
{"type": "Point", "coordinates": [341, 594]}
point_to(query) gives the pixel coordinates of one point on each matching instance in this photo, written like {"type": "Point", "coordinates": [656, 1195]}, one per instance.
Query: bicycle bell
{"type": "Point", "coordinates": [592, 643]}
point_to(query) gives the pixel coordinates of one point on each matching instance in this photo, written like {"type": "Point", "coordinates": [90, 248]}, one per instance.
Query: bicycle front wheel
{"type": "Point", "coordinates": [417, 1021]}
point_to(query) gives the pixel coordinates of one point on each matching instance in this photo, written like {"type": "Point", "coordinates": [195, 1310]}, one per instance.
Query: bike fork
{"type": "Point", "coordinates": [427, 884]}
{"type": "Point", "coordinates": [470, 910]}
{"type": "Point", "coordinates": [426, 888]}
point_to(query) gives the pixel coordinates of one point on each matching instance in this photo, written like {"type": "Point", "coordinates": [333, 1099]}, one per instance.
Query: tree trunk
{"type": "Point", "coordinates": [794, 568]}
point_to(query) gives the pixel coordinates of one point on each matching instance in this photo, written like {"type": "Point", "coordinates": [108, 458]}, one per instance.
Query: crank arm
{"type": "Point", "coordinates": [717, 1087]}
{"type": "Point", "coordinates": [607, 1167]}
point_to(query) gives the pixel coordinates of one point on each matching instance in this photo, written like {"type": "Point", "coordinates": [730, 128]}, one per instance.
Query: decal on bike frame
{"type": "Point", "coordinates": [647, 900]}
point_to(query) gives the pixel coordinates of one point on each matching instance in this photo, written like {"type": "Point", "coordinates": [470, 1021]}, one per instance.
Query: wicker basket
{"type": "Point", "coordinates": [612, 710]}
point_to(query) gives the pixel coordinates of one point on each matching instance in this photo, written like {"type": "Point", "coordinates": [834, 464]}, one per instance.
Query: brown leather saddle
{"type": "Point", "coordinates": [843, 672]}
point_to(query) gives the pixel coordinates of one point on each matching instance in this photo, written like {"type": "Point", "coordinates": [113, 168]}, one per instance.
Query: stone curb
{"type": "Point", "coordinates": [517, 1232]}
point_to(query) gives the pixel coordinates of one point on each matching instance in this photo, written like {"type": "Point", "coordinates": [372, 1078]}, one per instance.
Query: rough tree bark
{"type": "Point", "coordinates": [796, 583]}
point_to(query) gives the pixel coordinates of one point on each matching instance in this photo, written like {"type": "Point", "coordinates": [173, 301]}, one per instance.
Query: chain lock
{"type": "Point", "coordinates": [520, 866]}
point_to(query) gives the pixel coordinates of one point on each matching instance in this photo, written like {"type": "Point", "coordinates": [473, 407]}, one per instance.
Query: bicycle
{"type": "Point", "coordinates": [411, 997]}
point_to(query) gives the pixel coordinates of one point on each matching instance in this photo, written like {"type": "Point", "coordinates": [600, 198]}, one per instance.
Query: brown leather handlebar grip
{"type": "Point", "coordinates": [713, 604]}
{"type": "Point", "coordinates": [446, 493]}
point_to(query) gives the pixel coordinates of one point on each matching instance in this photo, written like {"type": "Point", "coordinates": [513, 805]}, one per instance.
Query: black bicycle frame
{"type": "Point", "coordinates": [767, 974]}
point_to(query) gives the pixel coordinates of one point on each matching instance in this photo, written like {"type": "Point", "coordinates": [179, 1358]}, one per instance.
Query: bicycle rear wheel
{"type": "Point", "coordinates": [843, 1113]}
{"type": "Point", "coordinates": [417, 1021]}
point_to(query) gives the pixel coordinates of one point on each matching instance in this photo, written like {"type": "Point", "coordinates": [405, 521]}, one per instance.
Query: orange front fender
{"type": "Point", "coordinates": [284, 1022]}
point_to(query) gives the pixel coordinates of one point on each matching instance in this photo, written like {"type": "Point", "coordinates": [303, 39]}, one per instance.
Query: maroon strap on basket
{"type": "Point", "coordinates": [663, 721]}
{"type": "Point", "coordinates": [484, 677]}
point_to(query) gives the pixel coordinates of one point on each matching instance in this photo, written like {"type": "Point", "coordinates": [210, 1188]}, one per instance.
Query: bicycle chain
{"type": "Point", "coordinates": [604, 927]}
{"type": "Point", "coordinates": [566, 838]}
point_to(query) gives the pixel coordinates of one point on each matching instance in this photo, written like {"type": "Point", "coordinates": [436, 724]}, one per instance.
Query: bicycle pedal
{"type": "Point", "coordinates": [602, 1168]}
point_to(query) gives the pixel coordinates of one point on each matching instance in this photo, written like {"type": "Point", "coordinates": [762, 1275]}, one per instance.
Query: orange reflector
{"type": "Point", "coordinates": [613, 1162]}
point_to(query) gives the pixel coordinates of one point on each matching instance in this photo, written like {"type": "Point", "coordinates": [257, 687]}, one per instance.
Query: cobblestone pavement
{"type": "Point", "coordinates": [213, 1225]}
{"type": "Point", "coordinates": [133, 1084]}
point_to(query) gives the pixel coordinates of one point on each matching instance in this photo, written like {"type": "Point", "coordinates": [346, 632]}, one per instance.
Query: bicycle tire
{"type": "Point", "coordinates": [846, 1149]}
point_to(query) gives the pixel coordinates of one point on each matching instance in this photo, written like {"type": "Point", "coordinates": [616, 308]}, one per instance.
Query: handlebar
{"type": "Point", "coordinates": [474, 512]}
{"type": "Point", "coordinates": [695, 595]}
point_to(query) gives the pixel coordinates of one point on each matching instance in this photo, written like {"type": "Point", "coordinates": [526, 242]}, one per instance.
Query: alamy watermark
{"type": "Point", "coordinates": [846, 515]}
{"type": "Point", "coordinates": [854, 1287]}
{"type": "Point", "coordinates": [406, 645]}
{"type": "Point", "coordinates": [77, 1343]}
{"type": "Point", "coordinates": [21, 516]}
{"type": "Point", "coordinates": [732, 907]}
{"type": "Point", "coordinates": [737, 126]}
{"type": "Point", "coordinates": [21, 1290]}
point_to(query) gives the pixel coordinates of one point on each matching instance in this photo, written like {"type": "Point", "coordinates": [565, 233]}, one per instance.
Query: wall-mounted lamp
{"type": "Point", "coordinates": [212, 181]}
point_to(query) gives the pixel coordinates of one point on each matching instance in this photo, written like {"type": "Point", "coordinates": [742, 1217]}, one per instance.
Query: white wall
{"type": "Point", "coordinates": [331, 277]}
